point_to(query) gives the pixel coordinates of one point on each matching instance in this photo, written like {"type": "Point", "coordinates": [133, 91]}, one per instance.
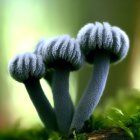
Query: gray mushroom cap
{"type": "Point", "coordinates": [38, 48]}
{"type": "Point", "coordinates": [25, 66]}
{"type": "Point", "coordinates": [110, 39]}
{"type": "Point", "coordinates": [62, 51]}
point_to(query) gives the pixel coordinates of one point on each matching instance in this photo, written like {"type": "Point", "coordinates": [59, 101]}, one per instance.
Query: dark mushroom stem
{"type": "Point", "coordinates": [49, 77]}
{"type": "Point", "coordinates": [41, 103]}
{"type": "Point", "coordinates": [94, 91]}
{"type": "Point", "coordinates": [62, 101]}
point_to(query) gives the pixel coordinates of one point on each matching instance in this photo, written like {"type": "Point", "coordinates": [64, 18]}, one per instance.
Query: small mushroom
{"type": "Point", "coordinates": [63, 55]}
{"type": "Point", "coordinates": [101, 45]}
{"type": "Point", "coordinates": [28, 68]}
{"type": "Point", "coordinates": [49, 73]}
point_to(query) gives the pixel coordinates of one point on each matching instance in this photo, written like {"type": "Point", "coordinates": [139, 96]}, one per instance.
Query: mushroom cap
{"type": "Point", "coordinates": [62, 52]}
{"type": "Point", "coordinates": [26, 66]}
{"type": "Point", "coordinates": [38, 48]}
{"type": "Point", "coordinates": [97, 37]}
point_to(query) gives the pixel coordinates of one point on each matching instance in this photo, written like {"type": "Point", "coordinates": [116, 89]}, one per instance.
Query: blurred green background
{"type": "Point", "coordinates": [24, 22]}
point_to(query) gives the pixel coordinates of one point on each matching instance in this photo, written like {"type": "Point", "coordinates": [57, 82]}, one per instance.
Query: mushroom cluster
{"type": "Point", "coordinates": [99, 44]}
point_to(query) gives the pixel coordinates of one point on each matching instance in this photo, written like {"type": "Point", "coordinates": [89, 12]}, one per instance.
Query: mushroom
{"type": "Point", "coordinates": [28, 68]}
{"type": "Point", "coordinates": [101, 45]}
{"type": "Point", "coordinates": [49, 72]}
{"type": "Point", "coordinates": [63, 55]}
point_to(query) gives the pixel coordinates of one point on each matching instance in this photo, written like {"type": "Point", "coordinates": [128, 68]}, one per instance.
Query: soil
{"type": "Point", "coordinates": [109, 134]}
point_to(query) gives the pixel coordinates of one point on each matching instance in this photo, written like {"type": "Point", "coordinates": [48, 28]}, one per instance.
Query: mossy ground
{"type": "Point", "coordinates": [118, 119]}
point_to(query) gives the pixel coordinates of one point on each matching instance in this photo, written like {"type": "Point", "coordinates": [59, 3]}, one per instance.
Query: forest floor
{"type": "Point", "coordinates": [118, 119]}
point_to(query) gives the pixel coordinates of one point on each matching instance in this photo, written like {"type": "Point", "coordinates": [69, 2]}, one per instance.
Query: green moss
{"type": "Point", "coordinates": [25, 134]}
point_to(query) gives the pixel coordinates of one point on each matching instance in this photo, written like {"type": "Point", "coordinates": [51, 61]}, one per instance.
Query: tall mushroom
{"type": "Point", "coordinates": [28, 68]}
{"type": "Point", "coordinates": [63, 55]}
{"type": "Point", "coordinates": [101, 45]}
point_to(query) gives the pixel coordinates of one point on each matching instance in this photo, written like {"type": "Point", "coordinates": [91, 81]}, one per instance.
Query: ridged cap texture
{"type": "Point", "coordinates": [25, 66]}
{"type": "Point", "coordinates": [103, 36]}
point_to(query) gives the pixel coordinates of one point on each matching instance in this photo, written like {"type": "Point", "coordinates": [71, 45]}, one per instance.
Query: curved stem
{"type": "Point", "coordinates": [41, 103]}
{"type": "Point", "coordinates": [94, 91]}
{"type": "Point", "coordinates": [49, 77]}
{"type": "Point", "coordinates": [62, 100]}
